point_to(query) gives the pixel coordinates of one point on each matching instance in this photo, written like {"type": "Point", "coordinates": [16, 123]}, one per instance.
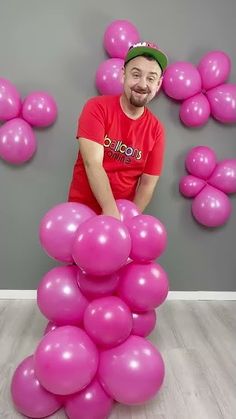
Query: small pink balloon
{"type": "Point", "coordinates": [200, 161]}
{"type": "Point", "coordinates": [214, 69]}
{"type": "Point", "coordinates": [143, 323]}
{"type": "Point", "coordinates": [223, 103]}
{"type": "Point", "coordinates": [127, 209]}
{"type": "Point", "coordinates": [119, 36]}
{"type": "Point", "coordinates": [10, 102]}
{"type": "Point", "coordinates": [181, 80]}
{"type": "Point", "coordinates": [108, 78]}
{"type": "Point", "coordinates": [224, 176]}
{"type": "Point", "coordinates": [28, 395]}
{"type": "Point", "coordinates": [195, 111]}
{"type": "Point", "coordinates": [17, 141]}
{"type": "Point", "coordinates": [50, 327]}
{"type": "Point", "coordinates": [39, 109]}
{"type": "Point", "coordinates": [190, 186]}
{"type": "Point", "coordinates": [211, 207]}
{"type": "Point", "coordinates": [97, 286]}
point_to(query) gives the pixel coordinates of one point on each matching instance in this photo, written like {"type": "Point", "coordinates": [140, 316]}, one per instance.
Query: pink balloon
{"type": "Point", "coordinates": [190, 186]}
{"type": "Point", "coordinates": [39, 109]}
{"type": "Point", "coordinates": [97, 286]}
{"type": "Point", "coordinates": [143, 323]}
{"type": "Point", "coordinates": [108, 321]}
{"type": "Point", "coordinates": [143, 286]}
{"type": "Point", "coordinates": [133, 372]}
{"type": "Point", "coordinates": [223, 103]}
{"type": "Point", "coordinates": [214, 69]}
{"type": "Point", "coordinates": [195, 111]}
{"type": "Point", "coordinates": [10, 102]}
{"type": "Point", "coordinates": [119, 36]}
{"type": "Point", "coordinates": [200, 161]}
{"type": "Point", "coordinates": [148, 238]}
{"type": "Point", "coordinates": [224, 176]}
{"type": "Point", "coordinates": [211, 207]}
{"type": "Point", "coordinates": [127, 209]}
{"type": "Point", "coordinates": [90, 403]}
{"type": "Point", "coordinates": [59, 297]}
{"type": "Point", "coordinates": [102, 245]}
{"type": "Point", "coordinates": [17, 141]}
{"type": "Point", "coordinates": [50, 327]}
{"type": "Point", "coordinates": [66, 360]}
{"type": "Point", "coordinates": [109, 77]}
{"type": "Point", "coordinates": [181, 80]}
{"type": "Point", "coordinates": [29, 397]}
{"type": "Point", "coordinates": [58, 228]}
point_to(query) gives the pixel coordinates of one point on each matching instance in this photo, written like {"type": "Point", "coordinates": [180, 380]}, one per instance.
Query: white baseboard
{"type": "Point", "coordinates": [173, 295]}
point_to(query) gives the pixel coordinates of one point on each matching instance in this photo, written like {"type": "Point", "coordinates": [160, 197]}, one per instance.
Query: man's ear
{"type": "Point", "coordinates": [122, 75]}
{"type": "Point", "coordinates": [159, 83]}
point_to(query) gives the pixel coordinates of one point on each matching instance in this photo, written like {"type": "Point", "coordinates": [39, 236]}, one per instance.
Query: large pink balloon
{"type": "Point", "coordinates": [90, 403]}
{"type": "Point", "coordinates": [143, 323]}
{"type": "Point", "coordinates": [190, 186]}
{"type": "Point", "coordinates": [108, 321]}
{"type": "Point", "coordinates": [17, 141]}
{"type": "Point", "coordinates": [181, 80]}
{"type": "Point", "coordinates": [97, 286]}
{"type": "Point", "coordinates": [133, 372]}
{"type": "Point", "coordinates": [119, 36]}
{"type": "Point", "coordinates": [214, 69]}
{"type": "Point", "coordinates": [200, 161]}
{"type": "Point", "coordinates": [109, 77]}
{"type": "Point", "coordinates": [65, 360]}
{"type": "Point", "coordinates": [58, 228]}
{"type": "Point", "coordinates": [102, 245]}
{"type": "Point", "coordinates": [143, 286]}
{"type": "Point", "coordinates": [29, 397]}
{"type": "Point", "coordinates": [223, 103]}
{"type": "Point", "coordinates": [39, 109]}
{"type": "Point", "coordinates": [195, 111]}
{"type": "Point", "coordinates": [10, 102]}
{"type": "Point", "coordinates": [148, 237]}
{"type": "Point", "coordinates": [127, 209]}
{"type": "Point", "coordinates": [59, 297]}
{"type": "Point", "coordinates": [224, 176]}
{"type": "Point", "coordinates": [211, 207]}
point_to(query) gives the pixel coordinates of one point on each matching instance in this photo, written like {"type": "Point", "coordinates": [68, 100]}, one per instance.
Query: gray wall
{"type": "Point", "coordinates": [56, 45]}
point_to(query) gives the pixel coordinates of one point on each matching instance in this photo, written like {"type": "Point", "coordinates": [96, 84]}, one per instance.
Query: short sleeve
{"type": "Point", "coordinates": [155, 159]}
{"type": "Point", "coordinates": [91, 122]}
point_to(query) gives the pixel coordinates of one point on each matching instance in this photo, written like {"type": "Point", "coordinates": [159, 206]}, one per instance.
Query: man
{"type": "Point", "coordinates": [121, 143]}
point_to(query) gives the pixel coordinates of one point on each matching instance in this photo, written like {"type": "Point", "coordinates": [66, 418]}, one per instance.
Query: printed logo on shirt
{"type": "Point", "coordinates": [120, 151]}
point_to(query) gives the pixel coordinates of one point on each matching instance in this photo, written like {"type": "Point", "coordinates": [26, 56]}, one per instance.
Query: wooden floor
{"type": "Point", "coordinates": [196, 338]}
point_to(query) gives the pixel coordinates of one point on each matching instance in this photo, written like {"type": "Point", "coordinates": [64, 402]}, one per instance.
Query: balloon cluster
{"type": "Point", "coordinates": [209, 183]}
{"type": "Point", "coordinates": [17, 139]}
{"type": "Point", "coordinates": [119, 36]}
{"type": "Point", "coordinates": [202, 89]}
{"type": "Point", "coordinates": [100, 310]}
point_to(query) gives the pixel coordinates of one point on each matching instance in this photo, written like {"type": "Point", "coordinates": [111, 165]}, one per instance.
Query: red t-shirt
{"type": "Point", "coordinates": [131, 147]}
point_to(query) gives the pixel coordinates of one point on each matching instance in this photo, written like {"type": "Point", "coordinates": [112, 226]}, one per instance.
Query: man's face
{"type": "Point", "coordinates": [142, 79]}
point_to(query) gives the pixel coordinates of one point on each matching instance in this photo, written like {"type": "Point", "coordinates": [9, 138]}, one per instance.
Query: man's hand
{"type": "Point", "coordinates": [113, 212]}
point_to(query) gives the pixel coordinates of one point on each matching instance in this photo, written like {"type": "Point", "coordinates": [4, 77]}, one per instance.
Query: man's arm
{"type": "Point", "coordinates": [145, 190]}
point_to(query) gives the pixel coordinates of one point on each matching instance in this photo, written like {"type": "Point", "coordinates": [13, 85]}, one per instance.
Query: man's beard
{"type": "Point", "coordinates": [139, 102]}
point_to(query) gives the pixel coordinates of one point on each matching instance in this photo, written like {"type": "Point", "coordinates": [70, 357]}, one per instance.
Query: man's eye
{"type": "Point", "coordinates": [136, 75]}
{"type": "Point", "coordinates": [151, 79]}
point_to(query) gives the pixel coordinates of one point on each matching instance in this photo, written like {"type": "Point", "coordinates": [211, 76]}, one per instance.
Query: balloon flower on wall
{"type": "Point", "coordinates": [202, 89]}
{"type": "Point", "coordinates": [17, 139]}
{"type": "Point", "coordinates": [209, 182]}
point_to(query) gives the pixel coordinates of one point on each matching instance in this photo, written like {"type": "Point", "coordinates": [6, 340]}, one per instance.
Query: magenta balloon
{"type": "Point", "coordinates": [211, 207]}
{"type": "Point", "coordinates": [50, 327]}
{"type": "Point", "coordinates": [190, 186]}
{"type": "Point", "coordinates": [143, 323]}
{"type": "Point", "coordinates": [10, 102]}
{"type": "Point", "coordinates": [97, 286]}
{"type": "Point", "coordinates": [119, 36]}
{"type": "Point", "coordinates": [17, 141]}
{"type": "Point", "coordinates": [143, 286]}
{"type": "Point", "coordinates": [214, 69]}
{"type": "Point", "coordinates": [59, 297]}
{"type": "Point", "coordinates": [181, 80]}
{"type": "Point", "coordinates": [223, 103]}
{"type": "Point", "coordinates": [133, 372]}
{"type": "Point", "coordinates": [108, 321]}
{"type": "Point", "coordinates": [66, 360]}
{"type": "Point", "coordinates": [195, 111]}
{"type": "Point", "coordinates": [58, 227]}
{"type": "Point", "coordinates": [200, 161]}
{"type": "Point", "coordinates": [109, 77]}
{"type": "Point", "coordinates": [102, 245]}
{"type": "Point", "coordinates": [127, 209]}
{"type": "Point", "coordinates": [29, 397]}
{"type": "Point", "coordinates": [224, 176]}
{"type": "Point", "coordinates": [148, 238]}
{"type": "Point", "coordinates": [39, 109]}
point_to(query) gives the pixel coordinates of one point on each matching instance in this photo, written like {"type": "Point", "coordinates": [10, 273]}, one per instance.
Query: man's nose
{"type": "Point", "coordinates": [142, 83]}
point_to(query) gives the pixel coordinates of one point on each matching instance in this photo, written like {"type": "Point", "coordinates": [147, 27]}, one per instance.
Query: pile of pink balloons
{"type": "Point", "coordinates": [100, 310]}
{"type": "Point", "coordinates": [118, 38]}
{"type": "Point", "coordinates": [17, 139]}
{"type": "Point", "coordinates": [202, 89]}
{"type": "Point", "coordinates": [209, 183]}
